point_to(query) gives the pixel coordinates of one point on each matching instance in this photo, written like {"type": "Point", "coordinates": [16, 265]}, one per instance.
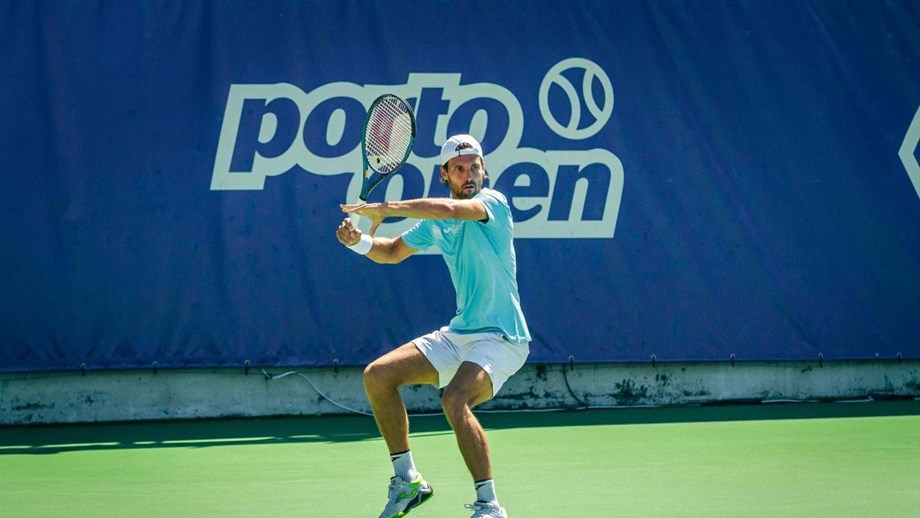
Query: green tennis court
{"type": "Point", "coordinates": [808, 460]}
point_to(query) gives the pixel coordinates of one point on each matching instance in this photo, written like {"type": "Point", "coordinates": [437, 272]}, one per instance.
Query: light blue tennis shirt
{"type": "Point", "coordinates": [480, 257]}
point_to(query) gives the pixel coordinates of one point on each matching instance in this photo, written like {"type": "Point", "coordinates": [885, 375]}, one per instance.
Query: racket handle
{"type": "Point", "coordinates": [362, 224]}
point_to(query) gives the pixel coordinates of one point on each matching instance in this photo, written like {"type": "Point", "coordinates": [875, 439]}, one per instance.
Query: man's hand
{"type": "Point", "coordinates": [347, 234]}
{"type": "Point", "coordinates": [376, 212]}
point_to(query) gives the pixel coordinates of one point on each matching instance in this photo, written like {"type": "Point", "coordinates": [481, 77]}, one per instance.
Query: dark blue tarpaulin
{"type": "Point", "coordinates": [690, 180]}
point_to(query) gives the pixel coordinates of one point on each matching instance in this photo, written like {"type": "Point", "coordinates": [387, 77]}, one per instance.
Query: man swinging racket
{"type": "Point", "coordinates": [484, 344]}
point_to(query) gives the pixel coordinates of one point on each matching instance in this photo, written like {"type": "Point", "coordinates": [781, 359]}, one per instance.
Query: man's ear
{"type": "Point", "coordinates": [443, 175]}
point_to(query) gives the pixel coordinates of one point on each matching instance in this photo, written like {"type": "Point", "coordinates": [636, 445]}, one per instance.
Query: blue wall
{"type": "Point", "coordinates": [690, 180]}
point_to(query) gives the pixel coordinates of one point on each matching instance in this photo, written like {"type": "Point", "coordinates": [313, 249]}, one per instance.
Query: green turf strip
{"type": "Point", "coordinates": [834, 460]}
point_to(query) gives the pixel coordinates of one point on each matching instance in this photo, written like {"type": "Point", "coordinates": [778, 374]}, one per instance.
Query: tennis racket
{"type": "Point", "coordinates": [389, 131]}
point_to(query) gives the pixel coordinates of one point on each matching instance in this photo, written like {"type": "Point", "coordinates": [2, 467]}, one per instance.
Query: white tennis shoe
{"type": "Point", "coordinates": [484, 510]}
{"type": "Point", "coordinates": [404, 496]}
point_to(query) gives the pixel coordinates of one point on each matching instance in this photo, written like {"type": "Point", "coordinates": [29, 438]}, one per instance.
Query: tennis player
{"type": "Point", "coordinates": [484, 344]}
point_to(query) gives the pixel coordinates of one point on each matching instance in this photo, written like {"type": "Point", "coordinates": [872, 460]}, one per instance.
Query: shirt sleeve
{"type": "Point", "coordinates": [496, 207]}
{"type": "Point", "coordinates": [419, 236]}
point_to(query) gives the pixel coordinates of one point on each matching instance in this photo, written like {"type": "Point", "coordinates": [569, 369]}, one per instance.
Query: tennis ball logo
{"type": "Point", "coordinates": [589, 97]}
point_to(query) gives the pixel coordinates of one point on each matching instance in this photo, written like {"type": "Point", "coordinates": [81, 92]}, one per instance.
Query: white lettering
{"type": "Point", "coordinates": [269, 130]}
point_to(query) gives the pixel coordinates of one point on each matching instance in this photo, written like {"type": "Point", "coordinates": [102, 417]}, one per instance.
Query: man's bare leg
{"type": "Point", "coordinates": [405, 365]}
{"type": "Point", "coordinates": [470, 387]}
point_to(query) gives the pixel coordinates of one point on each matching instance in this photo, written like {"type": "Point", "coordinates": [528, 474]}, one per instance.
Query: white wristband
{"type": "Point", "coordinates": [363, 246]}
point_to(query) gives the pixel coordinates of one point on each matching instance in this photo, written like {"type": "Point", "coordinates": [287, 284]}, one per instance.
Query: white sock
{"type": "Point", "coordinates": [485, 491]}
{"type": "Point", "coordinates": [404, 466]}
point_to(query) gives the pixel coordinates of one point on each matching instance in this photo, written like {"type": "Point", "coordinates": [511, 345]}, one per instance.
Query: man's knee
{"type": "Point", "coordinates": [402, 366]}
{"type": "Point", "coordinates": [454, 403]}
{"type": "Point", "coordinates": [375, 375]}
{"type": "Point", "coordinates": [457, 400]}
{"type": "Point", "coordinates": [385, 373]}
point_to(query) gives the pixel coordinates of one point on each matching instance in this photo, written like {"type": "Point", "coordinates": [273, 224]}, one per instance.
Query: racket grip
{"type": "Point", "coordinates": [362, 224]}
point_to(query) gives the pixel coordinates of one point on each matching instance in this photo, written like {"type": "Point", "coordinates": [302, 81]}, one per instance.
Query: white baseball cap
{"type": "Point", "coordinates": [460, 145]}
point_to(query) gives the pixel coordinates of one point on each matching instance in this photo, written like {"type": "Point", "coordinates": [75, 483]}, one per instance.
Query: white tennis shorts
{"type": "Point", "coordinates": [446, 350]}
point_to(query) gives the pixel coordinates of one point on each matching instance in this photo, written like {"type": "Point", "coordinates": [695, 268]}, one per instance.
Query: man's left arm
{"type": "Point", "coordinates": [421, 208]}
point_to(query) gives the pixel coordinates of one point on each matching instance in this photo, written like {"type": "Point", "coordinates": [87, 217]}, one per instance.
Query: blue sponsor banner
{"type": "Point", "coordinates": [689, 180]}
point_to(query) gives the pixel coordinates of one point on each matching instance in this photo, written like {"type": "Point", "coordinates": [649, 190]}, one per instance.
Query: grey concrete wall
{"type": "Point", "coordinates": [71, 397]}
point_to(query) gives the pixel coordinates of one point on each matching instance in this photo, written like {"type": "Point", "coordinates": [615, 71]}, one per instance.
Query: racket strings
{"type": "Point", "coordinates": [388, 135]}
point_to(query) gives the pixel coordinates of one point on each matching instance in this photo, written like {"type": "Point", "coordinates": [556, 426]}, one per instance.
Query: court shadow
{"type": "Point", "coordinates": [47, 439]}
{"type": "Point", "coordinates": [185, 433]}
{"type": "Point", "coordinates": [751, 410]}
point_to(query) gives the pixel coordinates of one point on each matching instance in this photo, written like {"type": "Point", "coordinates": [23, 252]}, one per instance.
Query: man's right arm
{"type": "Point", "coordinates": [389, 250]}
{"type": "Point", "coordinates": [382, 250]}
